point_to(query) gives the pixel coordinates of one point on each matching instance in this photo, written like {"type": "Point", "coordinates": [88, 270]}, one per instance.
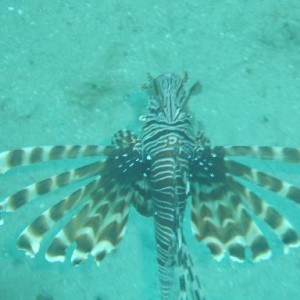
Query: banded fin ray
{"type": "Point", "coordinates": [94, 216]}
{"type": "Point", "coordinates": [100, 225]}
{"type": "Point", "coordinates": [266, 181]}
{"type": "Point", "coordinates": [33, 155]}
{"type": "Point", "coordinates": [48, 185]}
{"type": "Point", "coordinates": [221, 221]}
{"type": "Point", "coordinates": [96, 229]}
{"type": "Point", "coordinates": [284, 154]}
{"type": "Point", "coordinates": [223, 209]}
{"type": "Point", "coordinates": [112, 217]}
{"type": "Point", "coordinates": [268, 214]}
{"type": "Point", "coordinates": [32, 236]}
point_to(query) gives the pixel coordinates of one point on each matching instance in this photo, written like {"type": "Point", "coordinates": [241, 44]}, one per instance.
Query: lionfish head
{"type": "Point", "coordinates": [168, 97]}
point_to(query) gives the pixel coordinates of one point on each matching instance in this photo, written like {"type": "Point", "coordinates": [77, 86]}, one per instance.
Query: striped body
{"type": "Point", "coordinates": [156, 174]}
{"type": "Point", "coordinates": [167, 142]}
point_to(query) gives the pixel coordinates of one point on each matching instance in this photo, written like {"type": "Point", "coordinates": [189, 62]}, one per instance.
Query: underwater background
{"type": "Point", "coordinates": [70, 73]}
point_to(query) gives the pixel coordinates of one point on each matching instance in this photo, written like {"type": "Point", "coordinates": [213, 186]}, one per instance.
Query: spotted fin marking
{"type": "Point", "coordinates": [141, 199]}
{"type": "Point", "coordinates": [223, 209]}
{"type": "Point", "coordinates": [95, 214]}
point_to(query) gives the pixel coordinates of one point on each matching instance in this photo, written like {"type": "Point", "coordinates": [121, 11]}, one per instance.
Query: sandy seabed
{"type": "Point", "coordinates": [70, 73]}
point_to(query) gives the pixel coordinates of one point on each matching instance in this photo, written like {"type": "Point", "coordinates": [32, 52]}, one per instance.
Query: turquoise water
{"type": "Point", "coordinates": [70, 73]}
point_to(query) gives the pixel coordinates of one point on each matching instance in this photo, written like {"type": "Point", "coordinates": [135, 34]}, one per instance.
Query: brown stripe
{"type": "Point", "coordinates": [267, 181]}
{"type": "Point", "coordinates": [294, 194]}
{"type": "Point", "coordinates": [215, 249]}
{"type": "Point", "coordinates": [57, 248]}
{"type": "Point", "coordinates": [57, 152]}
{"type": "Point", "coordinates": [290, 237]}
{"type": "Point", "coordinates": [63, 179]}
{"type": "Point", "coordinates": [100, 256]}
{"type": "Point", "coordinates": [214, 193]}
{"type": "Point", "coordinates": [92, 168]}
{"type": "Point", "coordinates": [273, 218]}
{"type": "Point", "coordinates": [44, 186]}
{"type": "Point", "coordinates": [57, 211]}
{"type": "Point", "coordinates": [103, 209]}
{"type": "Point", "coordinates": [291, 155]}
{"type": "Point", "coordinates": [256, 203]}
{"type": "Point", "coordinates": [36, 155]}
{"type": "Point", "coordinates": [39, 226]}
{"type": "Point", "coordinates": [237, 250]}
{"type": "Point", "coordinates": [74, 151]}
{"type": "Point", "coordinates": [224, 213]}
{"type": "Point", "coordinates": [259, 247]}
{"type": "Point", "coordinates": [266, 152]}
{"type": "Point", "coordinates": [90, 151]}
{"type": "Point", "coordinates": [24, 244]}
{"type": "Point", "coordinates": [18, 199]}
{"type": "Point", "coordinates": [15, 158]}
{"type": "Point", "coordinates": [94, 223]}
{"type": "Point", "coordinates": [238, 169]}
{"type": "Point", "coordinates": [84, 243]}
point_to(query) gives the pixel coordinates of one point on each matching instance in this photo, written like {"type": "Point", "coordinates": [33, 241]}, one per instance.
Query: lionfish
{"type": "Point", "coordinates": [157, 173]}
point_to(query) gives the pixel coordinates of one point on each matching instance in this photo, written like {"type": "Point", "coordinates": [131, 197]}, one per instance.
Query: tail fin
{"type": "Point", "coordinates": [189, 283]}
